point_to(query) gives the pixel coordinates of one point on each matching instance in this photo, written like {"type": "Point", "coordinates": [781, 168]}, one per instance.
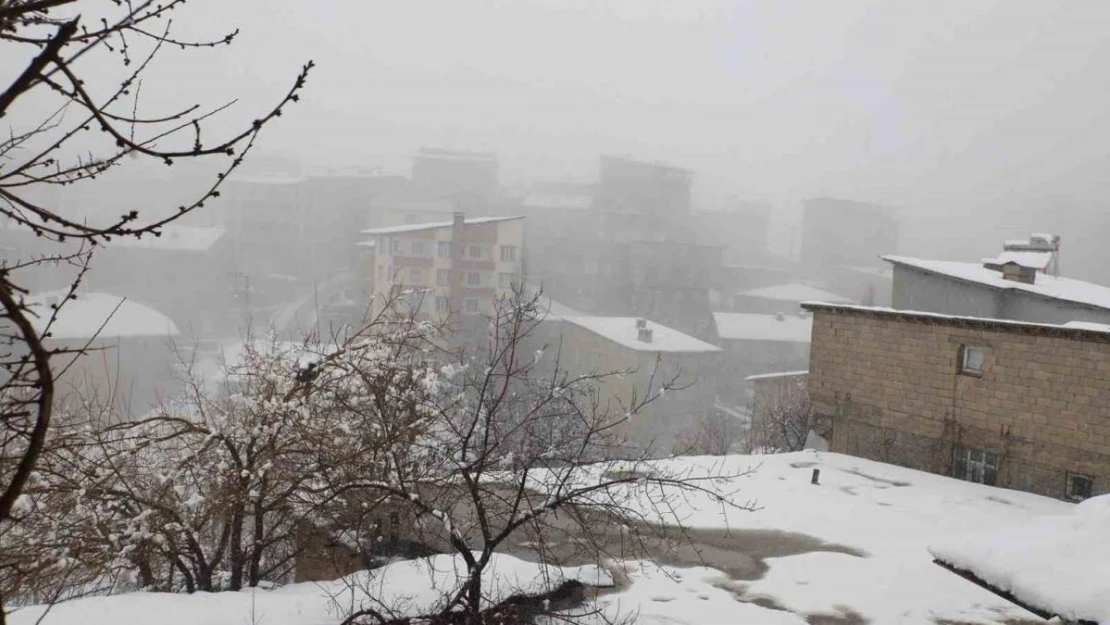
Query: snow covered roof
{"type": "Point", "coordinates": [1036, 260]}
{"type": "Point", "coordinates": [559, 200]}
{"type": "Point", "coordinates": [438, 224]}
{"type": "Point", "coordinates": [83, 317]}
{"type": "Point", "coordinates": [1052, 287]}
{"type": "Point", "coordinates": [753, 327]}
{"type": "Point", "coordinates": [1077, 326]}
{"type": "Point", "coordinates": [623, 331]}
{"type": "Point", "coordinates": [177, 238]}
{"type": "Point", "coordinates": [1056, 564]}
{"type": "Point", "coordinates": [794, 292]}
{"type": "Point", "coordinates": [367, 243]}
{"type": "Point", "coordinates": [782, 374]}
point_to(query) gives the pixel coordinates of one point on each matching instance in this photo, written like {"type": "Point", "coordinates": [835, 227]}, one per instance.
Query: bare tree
{"type": "Point", "coordinates": [68, 129]}
{"type": "Point", "coordinates": [782, 416]}
{"type": "Point", "coordinates": [518, 460]}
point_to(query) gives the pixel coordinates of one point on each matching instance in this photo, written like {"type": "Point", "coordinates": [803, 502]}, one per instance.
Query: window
{"type": "Point", "coordinates": [1079, 487]}
{"type": "Point", "coordinates": [473, 278]}
{"type": "Point", "coordinates": [971, 359]}
{"type": "Point", "coordinates": [416, 275]}
{"type": "Point", "coordinates": [417, 248]}
{"type": "Point", "coordinates": [508, 253]}
{"type": "Point", "coordinates": [474, 251]}
{"type": "Point", "coordinates": [441, 305]}
{"type": "Point", "coordinates": [395, 246]}
{"type": "Point", "coordinates": [977, 465]}
{"type": "Point", "coordinates": [505, 280]}
{"type": "Point", "coordinates": [444, 249]}
{"type": "Point", "coordinates": [471, 305]}
{"type": "Point", "coordinates": [443, 277]}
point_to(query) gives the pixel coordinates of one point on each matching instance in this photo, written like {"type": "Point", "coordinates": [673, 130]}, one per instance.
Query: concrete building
{"type": "Point", "coordinates": [1015, 292]}
{"type": "Point", "coordinates": [844, 232]}
{"type": "Point", "coordinates": [456, 173]}
{"type": "Point", "coordinates": [653, 354]}
{"type": "Point", "coordinates": [458, 268]}
{"type": "Point", "coordinates": [1013, 404]}
{"type": "Point", "coordinates": [759, 343]}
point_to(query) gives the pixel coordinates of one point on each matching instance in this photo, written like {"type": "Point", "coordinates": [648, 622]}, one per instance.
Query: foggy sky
{"type": "Point", "coordinates": [940, 108]}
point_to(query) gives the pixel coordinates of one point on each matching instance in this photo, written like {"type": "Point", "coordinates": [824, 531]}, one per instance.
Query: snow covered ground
{"type": "Point", "coordinates": [877, 521]}
{"type": "Point", "coordinates": [1059, 564]}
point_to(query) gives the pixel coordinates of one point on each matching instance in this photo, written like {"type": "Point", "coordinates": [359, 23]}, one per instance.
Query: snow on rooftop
{"type": "Point", "coordinates": [559, 200]}
{"type": "Point", "coordinates": [84, 317]}
{"type": "Point", "coordinates": [1036, 260]}
{"type": "Point", "coordinates": [438, 224]}
{"type": "Point", "coordinates": [367, 243]}
{"type": "Point", "coordinates": [787, 328]}
{"type": "Point", "coordinates": [175, 238]}
{"type": "Point", "coordinates": [1087, 326]}
{"type": "Point", "coordinates": [623, 330]}
{"type": "Point", "coordinates": [794, 292]}
{"type": "Point", "coordinates": [267, 178]}
{"type": "Point", "coordinates": [1059, 564]}
{"type": "Point", "coordinates": [781, 374]}
{"type": "Point", "coordinates": [1053, 287]}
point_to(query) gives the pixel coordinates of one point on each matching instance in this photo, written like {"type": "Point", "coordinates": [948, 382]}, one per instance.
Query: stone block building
{"type": "Point", "coordinates": [1013, 404]}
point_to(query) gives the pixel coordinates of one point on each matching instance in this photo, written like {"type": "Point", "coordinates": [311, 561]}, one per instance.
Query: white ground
{"type": "Point", "coordinates": [892, 514]}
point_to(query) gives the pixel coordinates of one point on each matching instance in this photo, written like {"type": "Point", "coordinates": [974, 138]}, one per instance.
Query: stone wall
{"type": "Point", "coordinates": [892, 384]}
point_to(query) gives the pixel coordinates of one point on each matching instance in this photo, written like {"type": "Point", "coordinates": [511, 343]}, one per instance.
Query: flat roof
{"type": "Point", "coordinates": [1075, 329]}
{"type": "Point", "coordinates": [438, 224]}
{"type": "Point", "coordinates": [782, 374]}
{"type": "Point", "coordinates": [623, 331]}
{"type": "Point", "coordinates": [794, 292]}
{"type": "Point", "coordinates": [1050, 287]}
{"type": "Point", "coordinates": [784, 328]}
{"type": "Point", "coordinates": [578, 201]}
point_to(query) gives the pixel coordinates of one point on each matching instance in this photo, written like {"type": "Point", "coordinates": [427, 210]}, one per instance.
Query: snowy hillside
{"type": "Point", "coordinates": [854, 546]}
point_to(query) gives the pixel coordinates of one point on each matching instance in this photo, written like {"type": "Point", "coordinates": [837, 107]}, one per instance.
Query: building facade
{"type": "Point", "coordinates": [456, 268]}
{"type": "Point", "coordinates": [647, 355]}
{"type": "Point", "coordinates": [839, 232]}
{"type": "Point", "coordinates": [1017, 405]}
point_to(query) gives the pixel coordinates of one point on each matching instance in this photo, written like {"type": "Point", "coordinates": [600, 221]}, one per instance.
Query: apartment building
{"type": "Point", "coordinates": [1007, 403]}
{"type": "Point", "coordinates": [454, 268]}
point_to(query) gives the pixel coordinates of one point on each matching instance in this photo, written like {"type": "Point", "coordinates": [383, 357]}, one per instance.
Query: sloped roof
{"type": "Point", "coordinates": [752, 327]}
{"type": "Point", "coordinates": [1052, 287]}
{"type": "Point", "coordinates": [1036, 260]}
{"type": "Point", "coordinates": [98, 315]}
{"type": "Point", "coordinates": [623, 331]}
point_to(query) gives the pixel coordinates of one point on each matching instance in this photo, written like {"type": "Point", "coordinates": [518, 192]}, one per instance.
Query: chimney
{"type": "Point", "coordinates": [641, 323]}
{"type": "Point", "coordinates": [1018, 273]}
{"type": "Point", "coordinates": [779, 316]}
{"type": "Point", "coordinates": [644, 334]}
{"type": "Point", "coordinates": [460, 218]}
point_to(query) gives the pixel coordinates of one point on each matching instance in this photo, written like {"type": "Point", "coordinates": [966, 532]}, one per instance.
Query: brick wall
{"type": "Point", "coordinates": [892, 384]}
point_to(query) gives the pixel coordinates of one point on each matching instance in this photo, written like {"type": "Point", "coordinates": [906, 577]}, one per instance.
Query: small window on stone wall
{"type": "Point", "coordinates": [977, 465]}
{"type": "Point", "coordinates": [971, 359]}
{"type": "Point", "coordinates": [1079, 487]}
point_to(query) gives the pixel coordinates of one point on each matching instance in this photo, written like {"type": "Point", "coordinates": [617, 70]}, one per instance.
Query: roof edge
{"type": "Point", "coordinates": [1010, 325]}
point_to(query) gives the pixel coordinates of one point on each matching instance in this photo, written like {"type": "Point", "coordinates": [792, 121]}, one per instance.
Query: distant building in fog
{"type": "Point", "coordinates": [759, 343]}
{"type": "Point", "coordinates": [784, 298]}
{"type": "Point", "coordinates": [845, 232]}
{"type": "Point", "coordinates": [741, 230]}
{"type": "Point", "coordinates": [455, 172]}
{"type": "Point", "coordinates": [1013, 291]}
{"type": "Point", "coordinates": [652, 354]}
{"type": "Point", "coordinates": [459, 267]}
